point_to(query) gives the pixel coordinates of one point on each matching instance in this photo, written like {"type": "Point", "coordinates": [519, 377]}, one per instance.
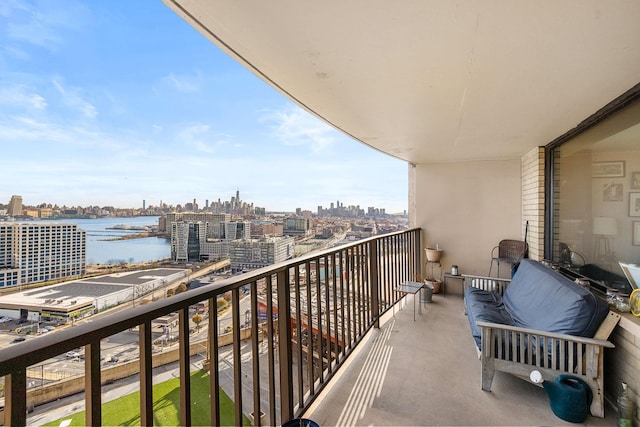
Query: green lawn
{"type": "Point", "coordinates": [125, 411]}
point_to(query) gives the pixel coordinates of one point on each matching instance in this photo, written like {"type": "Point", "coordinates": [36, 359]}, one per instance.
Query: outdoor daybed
{"type": "Point", "coordinates": [539, 320]}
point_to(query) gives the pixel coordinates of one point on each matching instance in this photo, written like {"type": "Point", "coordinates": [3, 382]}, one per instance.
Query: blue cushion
{"type": "Point", "coordinates": [484, 306]}
{"type": "Point", "coordinates": [541, 298]}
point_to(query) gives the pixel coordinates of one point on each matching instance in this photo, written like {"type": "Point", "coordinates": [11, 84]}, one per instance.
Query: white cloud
{"type": "Point", "coordinates": [42, 24]}
{"type": "Point", "coordinates": [20, 96]}
{"type": "Point", "coordinates": [184, 83]}
{"type": "Point", "coordinates": [295, 127]}
{"type": "Point", "coordinates": [72, 98]}
{"type": "Point", "coordinates": [200, 137]}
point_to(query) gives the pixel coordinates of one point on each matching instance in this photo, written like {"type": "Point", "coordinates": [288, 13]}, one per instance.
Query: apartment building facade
{"type": "Point", "coordinates": [249, 254]}
{"type": "Point", "coordinates": [296, 226]}
{"type": "Point", "coordinates": [37, 252]}
{"type": "Point", "coordinates": [185, 240]}
{"type": "Point", "coordinates": [235, 230]}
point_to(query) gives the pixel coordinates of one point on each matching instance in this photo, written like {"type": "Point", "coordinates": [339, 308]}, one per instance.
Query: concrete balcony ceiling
{"type": "Point", "coordinates": [435, 80]}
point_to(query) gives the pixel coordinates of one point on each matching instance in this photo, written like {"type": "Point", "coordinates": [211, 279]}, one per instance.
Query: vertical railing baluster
{"type": "Point", "coordinates": [373, 282]}
{"type": "Point", "coordinates": [383, 254]}
{"type": "Point", "coordinates": [320, 317]}
{"type": "Point", "coordinates": [146, 374]}
{"type": "Point", "coordinates": [396, 260]}
{"type": "Point", "coordinates": [359, 286]}
{"type": "Point", "coordinates": [270, 354]}
{"type": "Point", "coordinates": [383, 297]}
{"type": "Point", "coordinates": [351, 295]}
{"type": "Point", "coordinates": [364, 258]}
{"type": "Point", "coordinates": [237, 356]}
{"type": "Point", "coordinates": [15, 398]}
{"type": "Point", "coordinates": [310, 344]}
{"type": "Point", "coordinates": [343, 311]}
{"type": "Point", "coordinates": [214, 354]}
{"type": "Point", "coordinates": [298, 320]}
{"type": "Point", "coordinates": [93, 384]}
{"type": "Point", "coordinates": [185, 374]}
{"type": "Point", "coordinates": [327, 310]}
{"type": "Point", "coordinates": [336, 323]}
{"type": "Point", "coordinates": [256, 355]}
{"type": "Point", "coordinates": [284, 342]}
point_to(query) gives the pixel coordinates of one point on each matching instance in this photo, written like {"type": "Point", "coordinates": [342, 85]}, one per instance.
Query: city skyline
{"type": "Point", "coordinates": [113, 103]}
{"type": "Point", "coordinates": [201, 205]}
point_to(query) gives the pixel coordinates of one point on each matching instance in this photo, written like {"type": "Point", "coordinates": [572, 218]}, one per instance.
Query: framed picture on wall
{"type": "Point", "coordinates": [636, 233]}
{"type": "Point", "coordinates": [634, 204]}
{"type": "Point", "coordinates": [635, 180]}
{"type": "Point", "coordinates": [607, 169]}
{"type": "Point", "coordinates": [612, 192]}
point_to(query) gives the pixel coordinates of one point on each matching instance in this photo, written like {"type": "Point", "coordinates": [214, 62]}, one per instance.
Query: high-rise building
{"type": "Point", "coordinates": [185, 240]}
{"type": "Point", "coordinates": [235, 230]}
{"type": "Point", "coordinates": [15, 206]}
{"type": "Point", "coordinates": [36, 252]}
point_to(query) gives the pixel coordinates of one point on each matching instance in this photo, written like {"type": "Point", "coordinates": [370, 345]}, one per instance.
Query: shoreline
{"type": "Point", "coordinates": [142, 235]}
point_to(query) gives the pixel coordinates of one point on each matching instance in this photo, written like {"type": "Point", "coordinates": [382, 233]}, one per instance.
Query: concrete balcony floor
{"type": "Point", "coordinates": [426, 372]}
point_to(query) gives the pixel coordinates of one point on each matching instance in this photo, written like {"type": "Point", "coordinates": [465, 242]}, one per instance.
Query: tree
{"type": "Point", "coordinates": [181, 288]}
{"type": "Point", "coordinates": [171, 292]}
{"type": "Point", "coordinates": [197, 319]}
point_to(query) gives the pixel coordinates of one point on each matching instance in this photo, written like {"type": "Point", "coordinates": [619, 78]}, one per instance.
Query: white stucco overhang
{"type": "Point", "coordinates": [435, 80]}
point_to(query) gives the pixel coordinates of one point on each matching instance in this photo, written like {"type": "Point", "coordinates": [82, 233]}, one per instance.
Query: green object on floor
{"type": "Point", "coordinates": [570, 398]}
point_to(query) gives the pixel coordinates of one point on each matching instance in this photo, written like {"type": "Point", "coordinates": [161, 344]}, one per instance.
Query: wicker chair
{"type": "Point", "coordinates": [510, 252]}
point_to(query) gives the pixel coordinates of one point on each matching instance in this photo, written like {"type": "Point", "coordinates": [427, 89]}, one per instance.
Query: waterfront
{"type": "Point", "coordinates": [102, 249]}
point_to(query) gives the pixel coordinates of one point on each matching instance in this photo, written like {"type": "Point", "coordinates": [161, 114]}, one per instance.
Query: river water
{"type": "Point", "coordinates": [101, 251]}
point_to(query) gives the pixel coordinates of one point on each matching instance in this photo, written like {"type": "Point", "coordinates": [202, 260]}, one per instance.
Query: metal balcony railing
{"type": "Point", "coordinates": [302, 319]}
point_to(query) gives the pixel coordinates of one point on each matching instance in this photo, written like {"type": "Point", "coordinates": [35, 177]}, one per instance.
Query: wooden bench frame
{"type": "Point", "coordinates": [563, 354]}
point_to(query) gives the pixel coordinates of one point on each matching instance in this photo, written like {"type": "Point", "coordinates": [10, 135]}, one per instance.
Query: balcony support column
{"type": "Point", "coordinates": [284, 342]}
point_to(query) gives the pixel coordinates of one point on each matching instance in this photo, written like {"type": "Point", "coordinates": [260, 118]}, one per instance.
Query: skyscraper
{"type": "Point", "coordinates": [15, 206]}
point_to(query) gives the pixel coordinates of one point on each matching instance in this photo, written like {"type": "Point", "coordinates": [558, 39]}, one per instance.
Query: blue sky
{"type": "Point", "coordinates": [113, 102]}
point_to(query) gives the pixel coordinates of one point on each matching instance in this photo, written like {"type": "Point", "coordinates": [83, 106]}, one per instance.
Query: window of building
{"type": "Point", "coordinates": [593, 196]}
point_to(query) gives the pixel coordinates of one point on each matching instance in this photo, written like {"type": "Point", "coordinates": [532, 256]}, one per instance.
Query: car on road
{"type": "Point", "coordinates": [4, 319]}
{"type": "Point", "coordinates": [18, 339]}
{"type": "Point", "coordinates": [72, 354]}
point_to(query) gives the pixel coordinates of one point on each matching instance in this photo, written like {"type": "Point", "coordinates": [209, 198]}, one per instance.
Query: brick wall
{"type": "Point", "coordinates": [623, 362]}
{"type": "Point", "coordinates": [533, 201]}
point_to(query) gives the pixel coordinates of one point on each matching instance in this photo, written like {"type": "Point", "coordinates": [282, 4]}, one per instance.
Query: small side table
{"type": "Point", "coordinates": [452, 277]}
{"type": "Point", "coordinates": [411, 288]}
